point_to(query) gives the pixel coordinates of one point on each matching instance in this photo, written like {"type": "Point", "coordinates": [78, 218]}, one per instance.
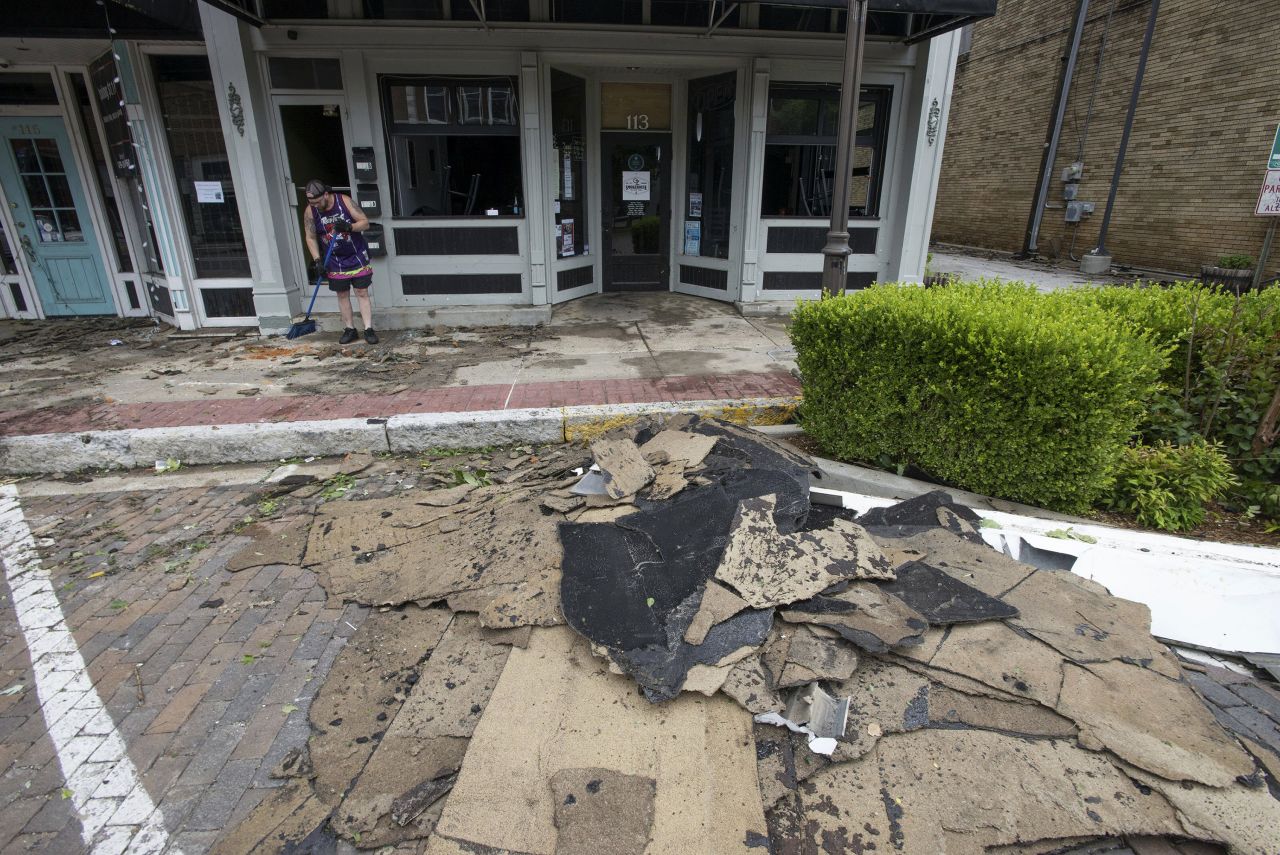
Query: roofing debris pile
{"type": "Point", "coordinates": [806, 683]}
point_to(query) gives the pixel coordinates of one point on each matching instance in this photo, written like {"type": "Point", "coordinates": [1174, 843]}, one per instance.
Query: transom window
{"type": "Point", "coordinates": [453, 145]}
{"type": "Point", "coordinates": [800, 150]}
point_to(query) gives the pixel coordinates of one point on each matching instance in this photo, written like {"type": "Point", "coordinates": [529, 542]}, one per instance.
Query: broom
{"type": "Point", "coordinates": [307, 326]}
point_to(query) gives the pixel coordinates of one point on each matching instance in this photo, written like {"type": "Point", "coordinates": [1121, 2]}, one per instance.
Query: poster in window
{"type": "Point", "coordinates": [559, 240]}
{"type": "Point", "coordinates": [692, 237]}
{"type": "Point", "coordinates": [567, 188]}
{"type": "Point", "coordinates": [566, 233]}
{"type": "Point", "coordinates": [695, 205]}
{"type": "Point", "coordinates": [635, 186]}
{"type": "Point", "coordinates": [106, 85]}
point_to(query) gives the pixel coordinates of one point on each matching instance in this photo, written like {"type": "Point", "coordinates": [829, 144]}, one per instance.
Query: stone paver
{"type": "Point", "coordinates": [205, 675]}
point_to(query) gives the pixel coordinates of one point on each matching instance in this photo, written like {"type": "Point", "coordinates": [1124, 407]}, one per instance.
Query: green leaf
{"type": "Point", "coordinates": [649, 602]}
{"type": "Point", "coordinates": [1059, 533]}
{"type": "Point", "coordinates": [65, 793]}
{"type": "Point", "coordinates": [988, 523]}
{"type": "Point", "coordinates": [248, 659]}
{"type": "Point", "coordinates": [119, 604]}
{"type": "Point", "coordinates": [289, 708]}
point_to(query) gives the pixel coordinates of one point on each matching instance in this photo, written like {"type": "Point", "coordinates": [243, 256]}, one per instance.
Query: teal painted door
{"type": "Point", "coordinates": [54, 231]}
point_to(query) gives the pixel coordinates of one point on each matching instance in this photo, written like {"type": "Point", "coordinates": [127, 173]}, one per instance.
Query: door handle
{"type": "Point", "coordinates": [30, 250]}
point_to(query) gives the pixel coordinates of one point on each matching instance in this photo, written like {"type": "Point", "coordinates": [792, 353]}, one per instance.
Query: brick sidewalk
{"type": "Point", "coordinates": [774, 384]}
{"type": "Point", "coordinates": [207, 675]}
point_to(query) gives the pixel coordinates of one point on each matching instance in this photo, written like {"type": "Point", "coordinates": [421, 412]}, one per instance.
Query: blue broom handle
{"type": "Point", "coordinates": [324, 265]}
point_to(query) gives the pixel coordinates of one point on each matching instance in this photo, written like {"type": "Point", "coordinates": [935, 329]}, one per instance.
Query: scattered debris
{"type": "Point", "coordinates": [688, 449]}
{"type": "Point", "coordinates": [295, 764]}
{"type": "Point", "coordinates": [823, 714]}
{"type": "Point", "coordinates": [599, 810]}
{"type": "Point", "coordinates": [768, 568]}
{"type": "Point", "coordinates": [270, 546]}
{"type": "Point", "coordinates": [807, 682]}
{"type": "Point", "coordinates": [623, 469]}
{"type": "Point", "coordinates": [718, 604]}
{"type": "Point", "coordinates": [942, 599]}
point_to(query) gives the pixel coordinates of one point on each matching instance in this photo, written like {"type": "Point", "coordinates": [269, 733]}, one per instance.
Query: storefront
{"type": "Point", "coordinates": [65, 246]}
{"type": "Point", "coordinates": [515, 154]}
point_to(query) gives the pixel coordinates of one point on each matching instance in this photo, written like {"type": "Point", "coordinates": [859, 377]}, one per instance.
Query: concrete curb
{"type": "Point", "coordinates": [410, 433]}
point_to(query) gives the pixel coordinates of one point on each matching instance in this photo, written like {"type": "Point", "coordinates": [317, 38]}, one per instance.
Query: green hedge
{"type": "Point", "coordinates": [988, 386]}
{"type": "Point", "coordinates": [1223, 370]}
{"type": "Point", "coordinates": [1167, 486]}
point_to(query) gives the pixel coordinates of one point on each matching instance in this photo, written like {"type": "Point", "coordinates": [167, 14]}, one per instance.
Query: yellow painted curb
{"type": "Point", "coordinates": [588, 423]}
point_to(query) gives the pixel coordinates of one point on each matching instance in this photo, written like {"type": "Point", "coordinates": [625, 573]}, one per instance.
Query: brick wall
{"type": "Point", "coordinates": [1209, 108]}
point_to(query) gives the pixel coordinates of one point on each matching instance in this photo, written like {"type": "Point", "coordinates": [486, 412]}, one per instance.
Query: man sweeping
{"type": "Point", "coordinates": [334, 217]}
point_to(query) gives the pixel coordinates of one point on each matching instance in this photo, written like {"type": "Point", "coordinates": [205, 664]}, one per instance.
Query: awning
{"type": "Point", "coordinates": [908, 20]}
{"type": "Point", "coordinates": [185, 15]}
{"type": "Point", "coordinates": [131, 19]}
{"type": "Point", "coordinates": [85, 19]}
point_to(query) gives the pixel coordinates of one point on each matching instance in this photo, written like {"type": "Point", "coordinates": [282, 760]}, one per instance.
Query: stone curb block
{"type": "Point", "coordinates": [250, 443]}
{"type": "Point", "coordinates": [413, 433]}
{"type": "Point", "coordinates": [61, 453]}
{"type": "Point", "coordinates": [65, 452]}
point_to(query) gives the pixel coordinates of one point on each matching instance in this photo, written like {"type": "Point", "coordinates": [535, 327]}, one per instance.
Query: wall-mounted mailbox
{"type": "Point", "coordinates": [368, 200]}
{"type": "Point", "coordinates": [366, 167]}
{"type": "Point", "coordinates": [376, 240]}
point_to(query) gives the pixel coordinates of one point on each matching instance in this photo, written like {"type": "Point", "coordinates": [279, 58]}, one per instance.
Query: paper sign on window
{"type": "Point", "coordinates": [566, 237]}
{"type": "Point", "coordinates": [209, 191]}
{"type": "Point", "coordinates": [635, 186]}
{"type": "Point", "coordinates": [692, 237]}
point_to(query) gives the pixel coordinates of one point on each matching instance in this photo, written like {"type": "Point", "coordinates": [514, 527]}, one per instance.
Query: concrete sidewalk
{"type": "Point", "coordinates": [623, 337]}
{"type": "Point", "coordinates": [100, 393]}
{"type": "Point", "coordinates": [969, 264]}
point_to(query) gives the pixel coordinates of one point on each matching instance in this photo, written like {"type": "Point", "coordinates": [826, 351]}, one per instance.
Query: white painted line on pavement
{"type": "Point", "coordinates": [116, 812]}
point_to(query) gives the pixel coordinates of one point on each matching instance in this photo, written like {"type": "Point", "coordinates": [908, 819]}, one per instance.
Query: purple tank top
{"type": "Point", "coordinates": [350, 258]}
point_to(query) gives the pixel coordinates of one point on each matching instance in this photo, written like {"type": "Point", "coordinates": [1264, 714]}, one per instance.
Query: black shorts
{"type": "Point", "coordinates": [361, 283]}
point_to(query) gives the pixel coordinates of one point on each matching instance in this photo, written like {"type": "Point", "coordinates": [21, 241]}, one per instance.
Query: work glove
{"type": "Point", "coordinates": [316, 268]}
{"type": "Point", "coordinates": [342, 226]}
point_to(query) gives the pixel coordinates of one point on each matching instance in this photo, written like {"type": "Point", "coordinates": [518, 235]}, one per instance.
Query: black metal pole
{"type": "Point", "coordinates": [1101, 248]}
{"type": "Point", "coordinates": [835, 263]}
{"type": "Point", "coordinates": [1054, 135]}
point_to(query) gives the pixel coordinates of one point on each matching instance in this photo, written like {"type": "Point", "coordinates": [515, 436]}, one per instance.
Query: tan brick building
{"type": "Point", "coordinates": [1206, 119]}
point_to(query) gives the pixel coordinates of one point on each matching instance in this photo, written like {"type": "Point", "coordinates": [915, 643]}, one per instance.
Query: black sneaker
{"type": "Point", "coordinates": [348, 336]}
{"type": "Point", "coordinates": [370, 336]}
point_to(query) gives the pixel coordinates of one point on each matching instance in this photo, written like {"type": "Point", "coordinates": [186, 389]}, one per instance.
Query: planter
{"type": "Point", "coordinates": [1232, 279]}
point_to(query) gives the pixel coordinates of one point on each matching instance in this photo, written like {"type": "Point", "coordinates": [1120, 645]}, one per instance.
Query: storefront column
{"type": "Point", "coordinates": [537, 203]}
{"type": "Point", "coordinates": [759, 95]}
{"type": "Point", "coordinates": [931, 97]}
{"type": "Point", "coordinates": [244, 114]}
{"type": "Point", "coordinates": [169, 291]}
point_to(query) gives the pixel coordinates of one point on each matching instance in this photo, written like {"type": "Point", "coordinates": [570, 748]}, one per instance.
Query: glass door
{"type": "Point", "coordinates": [314, 147]}
{"type": "Point", "coordinates": [706, 232]}
{"type": "Point", "coordinates": [573, 267]}
{"type": "Point", "coordinates": [54, 232]}
{"type": "Point", "coordinates": [636, 186]}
